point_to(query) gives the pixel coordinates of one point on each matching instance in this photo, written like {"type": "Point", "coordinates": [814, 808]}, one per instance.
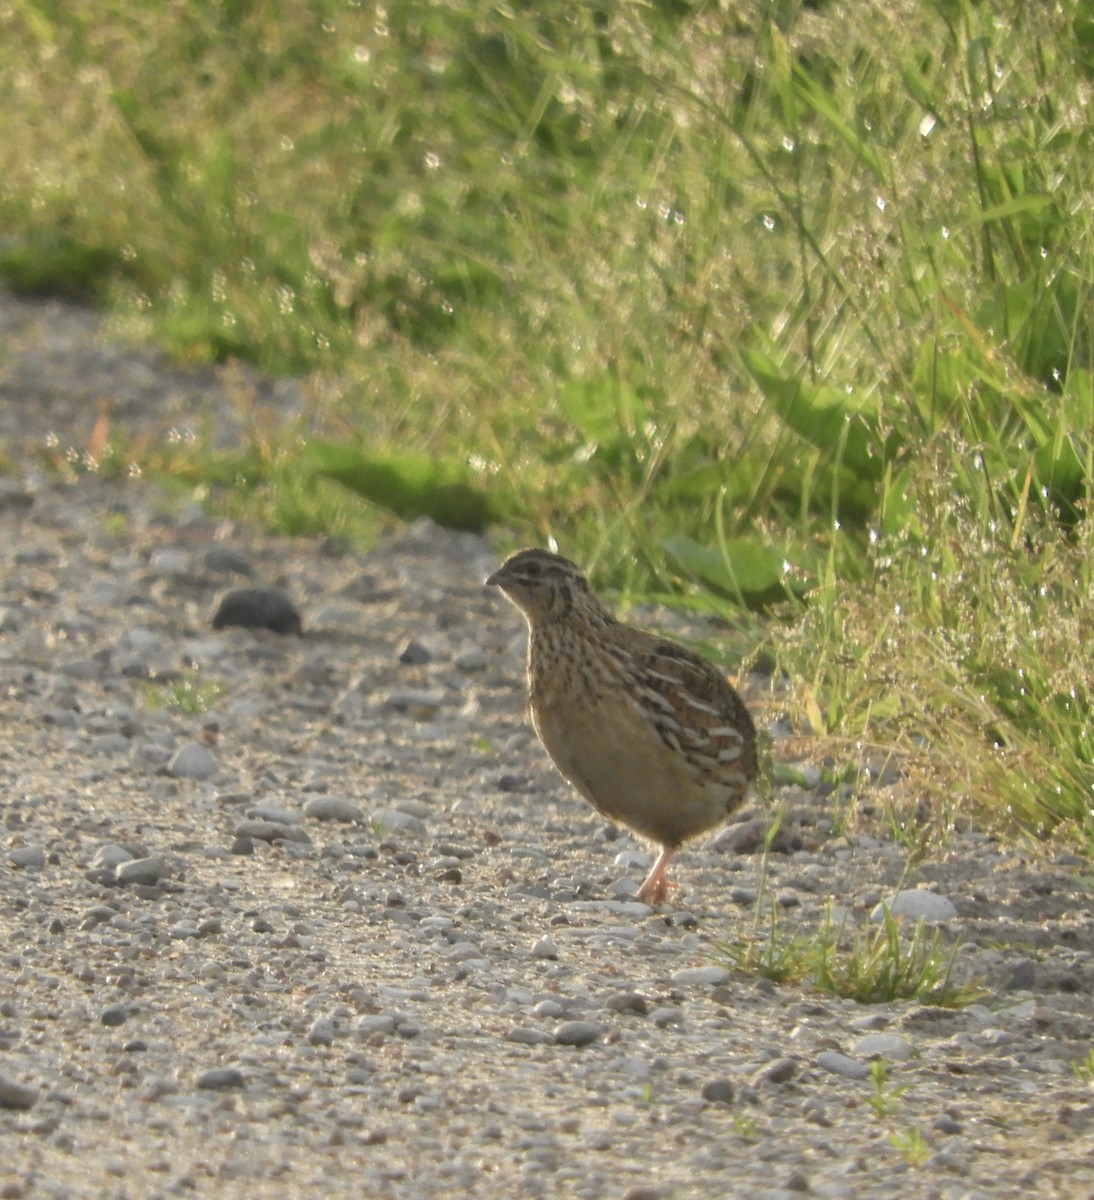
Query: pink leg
{"type": "Point", "coordinates": [655, 889]}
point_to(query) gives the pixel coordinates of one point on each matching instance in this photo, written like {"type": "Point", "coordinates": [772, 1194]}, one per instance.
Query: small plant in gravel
{"type": "Point", "coordinates": [188, 694]}
{"type": "Point", "coordinates": [872, 966]}
{"type": "Point", "coordinates": [1083, 1069]}
{"type": "Point", "coordinates": [747, 1128]}
{"type": "Point", "coordinates": [884, 1093]}
{"type": "Point", "coordinates": [911, 1145]}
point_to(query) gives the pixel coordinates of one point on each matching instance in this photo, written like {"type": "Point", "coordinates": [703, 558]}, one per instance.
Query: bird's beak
{"type": "Point", "coordinates": [494, 580]}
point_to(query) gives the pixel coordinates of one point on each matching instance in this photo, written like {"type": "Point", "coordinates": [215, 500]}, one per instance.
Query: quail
{"type": "Point", "coordinates": [650, 733]}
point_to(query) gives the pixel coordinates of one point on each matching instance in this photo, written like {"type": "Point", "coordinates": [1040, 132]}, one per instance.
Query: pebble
{"type": "Point", "coordinates": [545, 947]}
{"type": "Point", "coordinates": [322, 1032]}
{"type": "Point", "coordinates": [333, 808]}
{"type": "Point", "coordinates": [393, 820]}
{"type": "Point", "coordinates": [528, 1036]}
{"type": "Point", "coordinates": [779, 1070]}
{"type": "Point", "coordinates": [16, 1095]}
{"type": "Point", "coordinates": [33, 857]}
{"type": "Point", "coordinates": [148, 870]}
{"type": "Point", "coordinates": [578, 1033]}
{"type": "Point", "coordinates": [269, 831]}
{"type": "Point", "coordinates": [116, 1014]}
{"type": "Point", "coordinates": [718, 1091]}
{"type": "Point", "coordinates": [111, 856]}
{"type": "Point", "coordinates": [258, 608]}
{"type": "Point", "coordinates": [221, 1079]}
{"type": "Point", "coordinates": [414, 702]}
{"type": "Point", "coordinates": [471, 660]}
{"type": "Point", "coordinates": [712, 976]}
{"type": "Point", "coordinates": [267, 810]}
{"type": "Point", "coordinates": [918, 904]}
{"type": "Point", "coordinates": [749, 837]}
{"type": "Point", "coordinates": [841, 1064]}
{"type": "Point", "coordinates": [415, 654]}
{"type": "Point", "coordinates": [193, 761]}
{"type": "Point", "coordinates": [890, 1046]}
{"type": "Point", "coordinates": [628, 1002]}
{"type": "Point", "coordinates": [380, 1023]}
{"type": "Point", "coordinates": [169, 560]}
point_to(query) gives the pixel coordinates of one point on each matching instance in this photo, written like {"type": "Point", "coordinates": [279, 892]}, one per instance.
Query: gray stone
{"type": "Point", "coordinates": [33, 857]}
{"type": "Point", "coordinates": [841, 1064]}
{"type": "Point", "coordinates": [779, 1070]}
{"type": "Point", "coordinates": [890, 1046]}
{"type": "Point", "coordinates": [16, 1095]}
{"type": "Point", "coordinates": [414, 702]}
{"type": "Point", "coordinates": [322, 1032]}
{"type": "Point", "coordinates": [192, 761]}
{"type": "Point", "coordinates": [333, 808]}
{"type": "Point", "coordinates": [221, 1079]}
{"type": "Point", "coordinates": [169, 561]}
{"type": "Point", "coordinates": [918, 904]}
{"type": "Point", "coordinates": [749, 837]}
{"type": "Point", "coordinates": [528, 1036]}
{"type": "Point", "coordinates": [392, 820]}
{"type": "Point", "coordinates": [415, 654]}
{"type": "Point", "coordinates": [545, 947]}
{"type": "Point", "coordinates": [379, 1023]}
{"type": "Point", "coordinates": [1018, 976]}
{"type": "Point", "coordinates": [471, 660]}
{"type": "Point", "coordinates": [270, 831]}
{"type": "Point", "coordinates": [718, 1091]}
{"type": "Point", "coordinates": [710, 976]}
{"type": "Point", "coordinates": [110, 743]}
{"type": "Point", "coordinates": [268, 810]}
{"type": "Point", "coordinates": [141, 870]}
{"type": "Point", "coordinates": [111, 856]}
{"type": "Point", "coordinates": [578, 1033]}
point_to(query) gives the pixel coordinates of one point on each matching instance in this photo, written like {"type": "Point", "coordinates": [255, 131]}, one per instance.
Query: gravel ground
{"type": "Point", "coordinates": [347, 932]}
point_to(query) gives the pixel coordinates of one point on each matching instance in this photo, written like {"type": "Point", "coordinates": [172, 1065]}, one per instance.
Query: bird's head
{"type": "Point", "coordinates": [544, 586]}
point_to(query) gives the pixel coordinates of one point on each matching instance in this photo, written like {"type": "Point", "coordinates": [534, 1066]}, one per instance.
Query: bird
{"type": "Point", "coordinates": [650, 733]}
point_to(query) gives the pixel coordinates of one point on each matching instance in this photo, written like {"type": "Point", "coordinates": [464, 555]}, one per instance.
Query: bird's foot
{"type": "Point", "coordinates": [656, 887]}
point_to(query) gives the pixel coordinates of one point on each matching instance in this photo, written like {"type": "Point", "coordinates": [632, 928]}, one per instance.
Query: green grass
{"type": "Point", "coordinates": [189, 694]}
{"type": "Point", "coordinates": [771, 308]}
{"type": "Point", "coordinates": [870, 966]}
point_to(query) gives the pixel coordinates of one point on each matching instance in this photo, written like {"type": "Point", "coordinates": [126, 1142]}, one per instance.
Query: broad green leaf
{"type": "Point", "coordinates": [410, 485]}
{"type": "Point", "coordinates": [749, 570]}
{"type": "Point", "coordinates": [827, 417]}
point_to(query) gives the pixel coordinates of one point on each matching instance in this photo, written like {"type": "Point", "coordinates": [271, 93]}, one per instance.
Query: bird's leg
{"type": "Point", "coordinates": [655, 888]}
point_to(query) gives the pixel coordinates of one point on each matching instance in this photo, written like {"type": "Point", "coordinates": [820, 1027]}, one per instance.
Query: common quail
{"type": "Point", "coordinates": [650, 733]}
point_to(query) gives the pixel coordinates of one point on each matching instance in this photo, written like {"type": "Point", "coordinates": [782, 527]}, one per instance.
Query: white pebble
{"type": "Point", "coordinates": [918, 904]}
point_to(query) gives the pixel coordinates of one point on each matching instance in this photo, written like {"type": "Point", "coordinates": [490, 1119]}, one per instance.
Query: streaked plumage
{"type": "Point", "coordinates": [650, 733]}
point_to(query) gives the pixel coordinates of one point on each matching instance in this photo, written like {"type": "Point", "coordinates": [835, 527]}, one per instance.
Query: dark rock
{"type": "Point", "coordinates": [718, 1091]}
{"type": "Point", "coordinates": [221, 1079]}
{"type": "Point", "coordinates": [747, 837]}
{"type": "Point", "coordinates": [16, 1095]}
{"type": "Point", "coordinates": [258, 608]}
